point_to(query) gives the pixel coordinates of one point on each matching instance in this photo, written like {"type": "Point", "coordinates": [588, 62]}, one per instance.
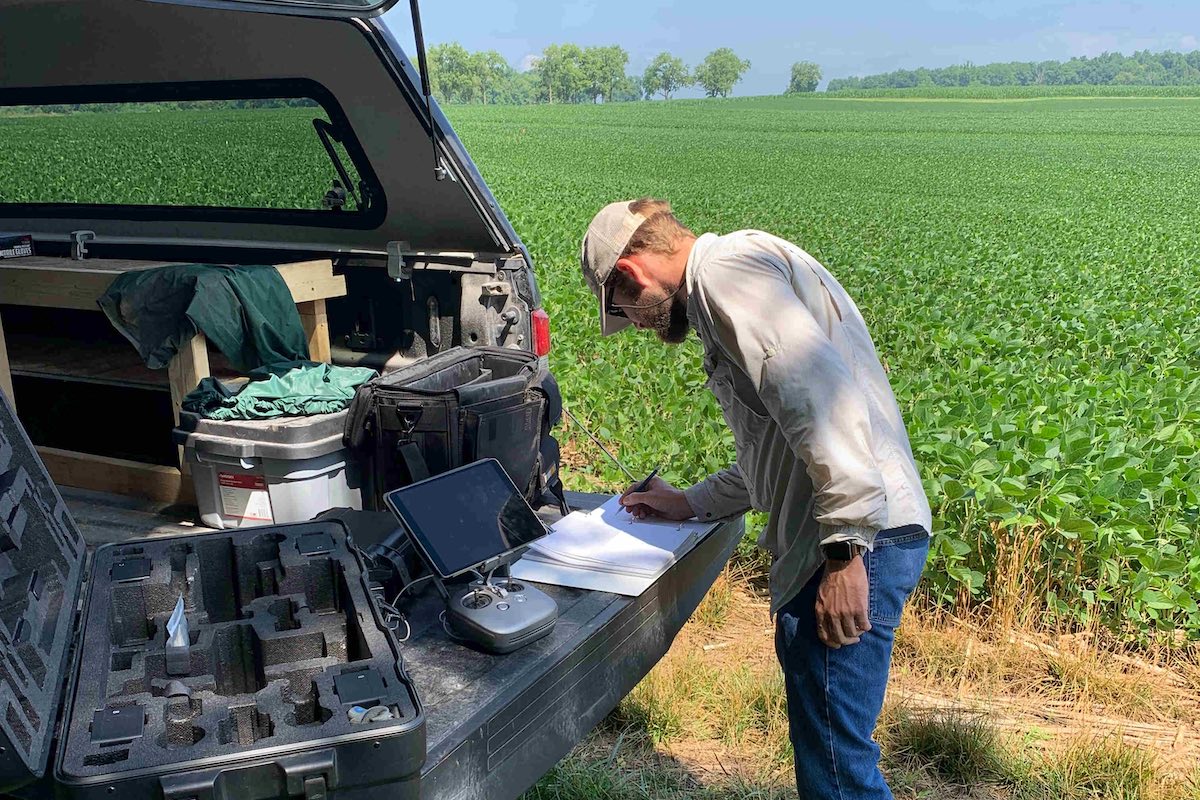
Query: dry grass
{"type": "Point", "coordinates": [975, 712]}
{"type": "Point", "coordinates": [1066, 672]}
{"type": "Point", "coordinates": [1018, 578]}
{"type": "Point", "coordinates": [713, 611]}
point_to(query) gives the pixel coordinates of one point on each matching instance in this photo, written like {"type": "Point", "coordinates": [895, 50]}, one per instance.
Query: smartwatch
{"type": "Point", "coordinates": [841, 551]}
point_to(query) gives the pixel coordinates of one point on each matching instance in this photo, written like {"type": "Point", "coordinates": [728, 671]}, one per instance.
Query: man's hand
{"type": "Point", "coordinates": [842, 603]}
{"type": "Point", "coordinates": [660, 499]}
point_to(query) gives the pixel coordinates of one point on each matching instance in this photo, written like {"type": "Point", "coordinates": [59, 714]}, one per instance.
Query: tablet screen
{"type": "Point", "coordinates": [464, 517]}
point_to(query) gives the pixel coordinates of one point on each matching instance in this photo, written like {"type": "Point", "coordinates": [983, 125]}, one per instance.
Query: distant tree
{"type": "Point", "coordinates": [665, 75]}
{"type": "Point", "coordinates": [1143, 68]}
{"type": "Point", "coordinates": [451, 73]}
{"type": "Point", "coordinates": [490, 70]}
{"type": "Point", "coordinates": [604, 69]}
{"type": "Point", "coordinates": [628, 90]}
{"type": "Point", "coordinates": [719, 71]}
{"type": "Point", "coordinates": [560, 73]}
{"type": "Point", "coordinates": [805, 77]}
{"type": "Point", "coordinates": [519, 88]}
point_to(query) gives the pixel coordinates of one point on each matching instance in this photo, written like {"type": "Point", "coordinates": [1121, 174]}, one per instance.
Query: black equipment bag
{"type": "Point", "coordinates": [456, 407]}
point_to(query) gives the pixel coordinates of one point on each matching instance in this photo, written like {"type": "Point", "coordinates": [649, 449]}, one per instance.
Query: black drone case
{"type": "Point", "coordinates": [266, 698]}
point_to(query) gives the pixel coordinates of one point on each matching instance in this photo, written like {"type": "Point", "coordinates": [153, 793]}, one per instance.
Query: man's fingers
{"type": "Point", "coordinates": [632, 498]}
{"type": "Point", "coordinates": [656, 484]}
{"type": "Point", "coordinates": [849, 629]}
{"type": "Point", "coordinates": [862, 622]}
{"type": "Point", "coordinates": [823, 633]}
{"type": "Point", "coordinates": [836, 631]}
{"type": "Point", "coordinates": [647, 501]}
{"type": "Point", "coordinates": [829, 631]}
{"type": "Point", "coordinates": [639, 504]}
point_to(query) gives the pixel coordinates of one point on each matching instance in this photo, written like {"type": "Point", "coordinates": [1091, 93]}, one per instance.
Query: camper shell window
{"type": "Point", "coordinates": [274, 151]}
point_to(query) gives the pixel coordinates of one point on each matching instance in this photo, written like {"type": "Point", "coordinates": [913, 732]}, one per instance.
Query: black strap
{"type": "Point", "coordinates": [414, 462]}
{"type": "Point", "coordinates": [556, 489]}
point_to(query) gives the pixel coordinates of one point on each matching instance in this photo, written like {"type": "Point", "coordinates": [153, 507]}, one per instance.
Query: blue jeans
{"type": "Point", "coordinates": [835, 696]}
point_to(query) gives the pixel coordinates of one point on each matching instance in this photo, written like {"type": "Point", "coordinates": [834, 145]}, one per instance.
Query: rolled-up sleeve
{"type": "Point", "coordinates": [723, 494]}
{"type": "Point", "coordinates": [807, 388]}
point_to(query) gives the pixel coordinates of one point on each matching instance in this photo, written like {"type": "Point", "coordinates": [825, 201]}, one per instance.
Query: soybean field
{"type": "Point", "coordinates": [1030, 271]}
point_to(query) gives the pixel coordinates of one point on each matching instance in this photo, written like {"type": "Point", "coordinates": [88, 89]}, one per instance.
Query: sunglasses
{"type": "Point", "coordinates": [612, 309]}
{"type": "Point", "coordinates": [618, 309]}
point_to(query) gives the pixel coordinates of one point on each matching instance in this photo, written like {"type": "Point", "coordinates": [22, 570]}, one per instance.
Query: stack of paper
{"type": "Point", "coordinates": [608, 550]}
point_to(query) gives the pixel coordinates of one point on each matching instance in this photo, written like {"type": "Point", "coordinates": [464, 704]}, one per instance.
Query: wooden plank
{"type": "Point", "coordinates": [316, 329]}
{"type": "Point", "coordinates": [6, 384]}
{"type": "Point", "coordinates": [63, 283]}
{"type": "Point", "coordinates": [113, 265]}
{"type": "Point", "coordinates": [65, 358]}
{"type": "Point", "coordinates": [187, 368]}
{"type": "Point", "coordinates": [102, 474]}
{"type": "Point", "coordinates": [58, 287]}
{"type": "Point", "coordinates": [312, 280]}
{"type": "Point", "coordinates": [100, 362]}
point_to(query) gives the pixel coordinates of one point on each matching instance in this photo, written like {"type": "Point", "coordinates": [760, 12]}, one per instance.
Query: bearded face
{"type": "Point", "coordinates": [658, 308]}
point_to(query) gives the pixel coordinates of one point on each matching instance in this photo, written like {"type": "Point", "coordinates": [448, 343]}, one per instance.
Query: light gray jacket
{"type": "Point", "coordinates": [820, 442]}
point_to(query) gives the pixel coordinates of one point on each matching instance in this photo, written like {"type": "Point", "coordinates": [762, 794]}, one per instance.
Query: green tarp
{"type": "Point", "coordinates": [298, 388]}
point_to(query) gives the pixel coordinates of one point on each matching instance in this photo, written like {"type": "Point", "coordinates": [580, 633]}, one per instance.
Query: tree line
{"type": "Point", "coordinates": [1143, 68]}
{"type": "Point", "coordinates": [568, 73]}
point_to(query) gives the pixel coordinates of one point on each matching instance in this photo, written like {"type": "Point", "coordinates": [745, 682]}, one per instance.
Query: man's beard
{"type": "Point", "coordinates": [670, 321]}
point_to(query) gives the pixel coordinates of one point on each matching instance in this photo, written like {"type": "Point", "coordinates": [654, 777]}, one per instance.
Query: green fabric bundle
{"type": "Point", "coordinates": [291, 389]}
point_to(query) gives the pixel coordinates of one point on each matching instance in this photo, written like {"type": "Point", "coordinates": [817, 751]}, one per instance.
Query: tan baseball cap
{"type": "Point", "coordinates": [605, 241]}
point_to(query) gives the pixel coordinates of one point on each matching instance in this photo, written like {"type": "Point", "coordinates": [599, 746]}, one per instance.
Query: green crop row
{"type": "Point", "coordinates": [1028, 271]}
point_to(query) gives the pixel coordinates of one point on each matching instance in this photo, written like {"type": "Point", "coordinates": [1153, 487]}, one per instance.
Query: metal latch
{"type": "Point", "coordinates": [79, 240]}
{"type": "Point", "coordinates": [398, 268]}
{"type": "Point", "coordinates": [315, 789]}
{"type": "Point", "coordinates": [435, 324]}
{"type": "Point", "coordinates": [495, 289]}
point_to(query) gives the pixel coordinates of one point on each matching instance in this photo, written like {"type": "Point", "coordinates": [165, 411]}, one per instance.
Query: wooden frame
{"type": "Point", "coordinates": [118, 476]}
{"type": "Point", "coordinates": [47, 282]}
{"type": "Point", "coordinates": [62, 283]}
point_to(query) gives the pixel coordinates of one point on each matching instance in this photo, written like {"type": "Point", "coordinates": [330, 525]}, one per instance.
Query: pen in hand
{"type": "Point", "coordinates": [641, 487]}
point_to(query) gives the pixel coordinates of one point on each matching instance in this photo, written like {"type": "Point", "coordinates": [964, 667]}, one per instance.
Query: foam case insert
{"type": "Point", "coordinates": [276, 627]}
{"type": "Point", "coordinates": [284, 644]}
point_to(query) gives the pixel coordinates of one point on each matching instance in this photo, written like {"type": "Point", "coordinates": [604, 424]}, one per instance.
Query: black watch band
{"type": "Point", "coordinates": [841, 551]}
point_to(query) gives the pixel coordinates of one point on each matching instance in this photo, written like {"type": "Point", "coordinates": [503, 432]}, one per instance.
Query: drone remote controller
{"type": "Point", "coordinates": [501, 616]}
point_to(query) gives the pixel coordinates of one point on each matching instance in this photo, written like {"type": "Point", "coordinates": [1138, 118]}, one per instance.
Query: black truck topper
{"type": "Point", "coordinates": [98, 51]}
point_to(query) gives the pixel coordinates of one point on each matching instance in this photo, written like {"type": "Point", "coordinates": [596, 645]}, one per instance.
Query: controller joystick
{"type": "Point", "coordinates": [476, 599]}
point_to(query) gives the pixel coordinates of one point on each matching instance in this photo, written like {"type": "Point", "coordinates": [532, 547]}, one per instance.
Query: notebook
{"type": "Point", "coordinates": [608, 550]}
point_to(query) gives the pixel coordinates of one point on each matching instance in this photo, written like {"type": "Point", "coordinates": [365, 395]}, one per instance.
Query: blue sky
{"type": "Point", "coordinates": [846, 38]}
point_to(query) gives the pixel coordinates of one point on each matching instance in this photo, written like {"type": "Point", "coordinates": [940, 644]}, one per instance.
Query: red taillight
{"type": "Point", "coordinates": [541, 332]}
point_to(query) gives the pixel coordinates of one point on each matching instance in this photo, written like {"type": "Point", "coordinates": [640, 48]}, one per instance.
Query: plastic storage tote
{"type": "Point", "coordinates": [266, 472]}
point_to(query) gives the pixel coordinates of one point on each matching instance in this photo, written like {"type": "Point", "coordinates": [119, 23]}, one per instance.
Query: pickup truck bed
{"type": "Point", "coordinates": [496, 724]}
